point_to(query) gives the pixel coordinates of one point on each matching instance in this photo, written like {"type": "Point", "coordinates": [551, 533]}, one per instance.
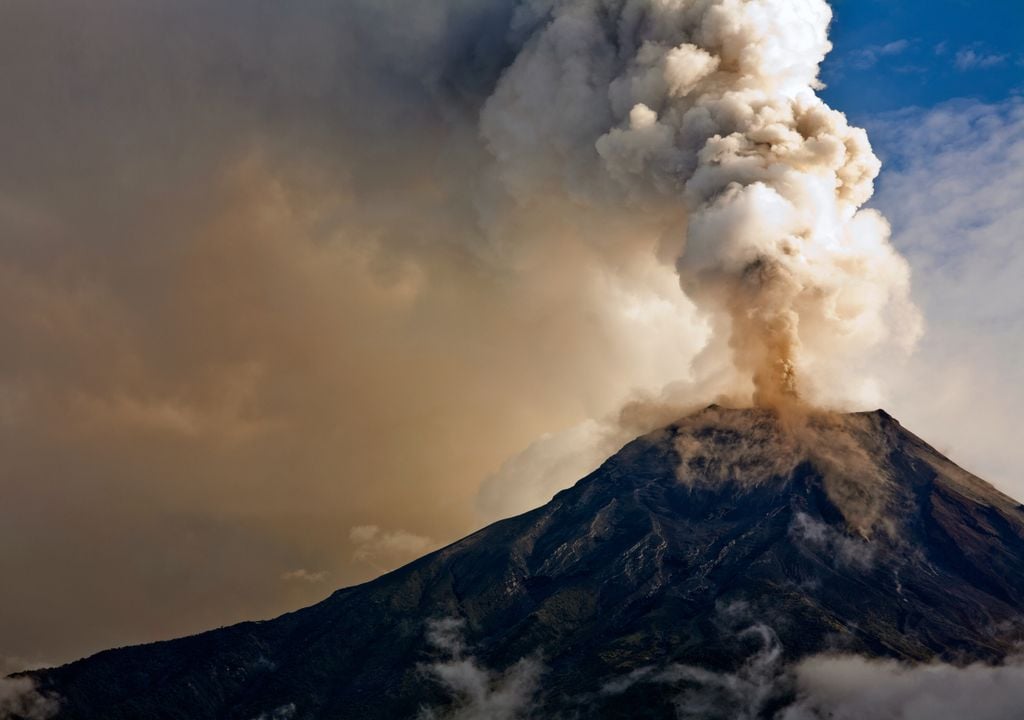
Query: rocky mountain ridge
{"type": "Point", "coordinates": [726, 543]}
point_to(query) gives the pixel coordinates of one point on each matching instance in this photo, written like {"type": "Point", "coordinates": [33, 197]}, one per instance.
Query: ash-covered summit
{"type": "Point", "coordinates": [704, 557]}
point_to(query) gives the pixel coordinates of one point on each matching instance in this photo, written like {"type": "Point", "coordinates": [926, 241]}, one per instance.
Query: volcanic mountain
{"type": "Point", "coordinates": [723, 545]}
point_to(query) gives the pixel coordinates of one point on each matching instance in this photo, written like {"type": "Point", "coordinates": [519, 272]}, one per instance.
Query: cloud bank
{"type": "Point", "coordinates": [829, 686]}
{"type": "Point", "coordinates": [851, 687]}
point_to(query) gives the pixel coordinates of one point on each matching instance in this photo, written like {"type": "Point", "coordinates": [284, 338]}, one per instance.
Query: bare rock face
{"type": "Point", "coordinates": [726, 536]}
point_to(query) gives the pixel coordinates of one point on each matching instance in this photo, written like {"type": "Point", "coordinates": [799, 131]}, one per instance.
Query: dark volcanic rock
{"type": "Point", "coordinates": [834, 531]}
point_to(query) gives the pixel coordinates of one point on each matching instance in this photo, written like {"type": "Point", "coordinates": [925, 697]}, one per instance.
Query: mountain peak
{"type": "Point", "coordinates": [742, 449]}
{"type": "Point", "coordinates": [815, 531]}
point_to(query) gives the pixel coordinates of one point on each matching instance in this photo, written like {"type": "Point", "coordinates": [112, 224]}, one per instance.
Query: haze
{"type": "Point", "coordinates": [273, 323]}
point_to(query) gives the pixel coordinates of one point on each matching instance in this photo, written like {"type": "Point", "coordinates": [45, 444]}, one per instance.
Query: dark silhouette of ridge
{"type": "Point", "coordinates": [837, 532]}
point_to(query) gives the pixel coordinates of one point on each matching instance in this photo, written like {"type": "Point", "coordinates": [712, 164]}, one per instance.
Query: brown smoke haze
{"type": "Point", "coordinates": [293, 292]}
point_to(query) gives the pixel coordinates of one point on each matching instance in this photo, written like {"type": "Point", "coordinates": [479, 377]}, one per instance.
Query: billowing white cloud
{"type": "Point", "coordinates": [704, 116]}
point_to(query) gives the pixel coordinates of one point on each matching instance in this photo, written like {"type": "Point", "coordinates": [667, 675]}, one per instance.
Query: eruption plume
{"type": "Point", "coordinates": [704, 113]}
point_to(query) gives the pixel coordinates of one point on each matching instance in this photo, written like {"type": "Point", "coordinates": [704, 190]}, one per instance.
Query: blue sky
{"type": "Point", "coordinates": [893, 54]}
{"type": "Point", "coordinates": [939, 85]}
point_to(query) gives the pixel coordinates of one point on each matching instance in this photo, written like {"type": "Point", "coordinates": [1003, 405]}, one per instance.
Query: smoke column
{"type": "Point", "coordinates": [703, 114]}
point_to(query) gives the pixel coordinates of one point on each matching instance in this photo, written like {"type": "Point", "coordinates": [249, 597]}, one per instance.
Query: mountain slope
{"type": "Point", "coordinates": [703, 544]}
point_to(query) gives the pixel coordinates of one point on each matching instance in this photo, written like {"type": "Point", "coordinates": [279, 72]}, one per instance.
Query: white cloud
{"type": "Point", "coordinates": [838, 687]}
{"type": "Point", "coordinates": [19, 699]}
{"type": "Point", "coordinates": [705, 694]}
{"type": "Point", "coordinates": [384, 549]}
{"type": "Point", "coordinates": [551, 463]}
{"type": "Point", "coordinates": [974, 59]}
{"type": "Point", "coordinates": [826, 686]}
{"type": "Point", "coordinates": [952, 188]}
{"type": "Point", "coordinates": [867, 57]}
{"type": "Point", "coordinates": [303, 575]}
{"type": "Point", "coordinates": [843, 549]}
{"type": "Point", "coordinates": [854, 688]}
{"type": "Point", "coordinates": [478, 693]}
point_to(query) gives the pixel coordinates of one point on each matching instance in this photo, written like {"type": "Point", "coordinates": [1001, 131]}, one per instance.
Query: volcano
{"type": "Point", "coordinates": [726, 543]}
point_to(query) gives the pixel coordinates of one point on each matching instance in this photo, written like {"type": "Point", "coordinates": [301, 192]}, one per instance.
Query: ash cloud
{"type": "Point", "coordinates": [704, 116]}
{"type": "Point", "coordinates": [259, 283]}
{"type": "Point", "coordinates": [265, 270]}
{"type": "Point", "coordinates": [766, 445]}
